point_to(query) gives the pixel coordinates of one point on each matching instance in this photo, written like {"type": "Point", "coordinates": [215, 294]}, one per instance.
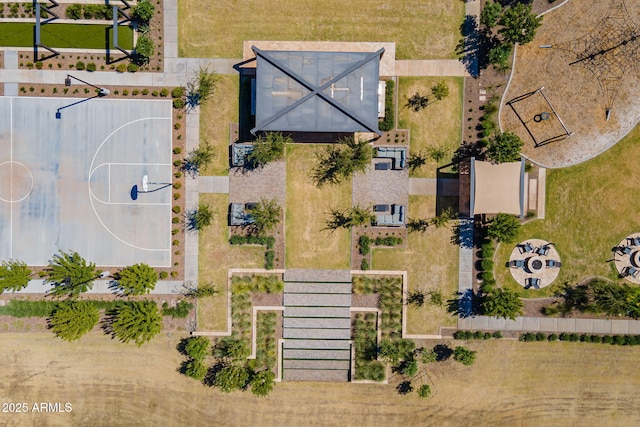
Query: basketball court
{"type": "Point", "coordinates": [70, 183]}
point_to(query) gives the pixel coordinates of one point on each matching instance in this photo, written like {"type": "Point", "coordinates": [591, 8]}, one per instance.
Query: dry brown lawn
{"type": "Point", "coordinates": [421, 28]}
{"type": "Point", "coordinates": [308, 244]}
{"type": "Point", "coordinates": [436, 126]}
{"type": "Point", "coordinates": [216, 257]}
{"type": "Point", "coordinates": [431, 262]}
{"type": "Point", "coordinates": [215, 117]}
{"type": "Point", "coordinates": [511, 383]}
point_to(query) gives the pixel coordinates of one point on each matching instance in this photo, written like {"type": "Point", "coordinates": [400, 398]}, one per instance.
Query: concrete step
{"type": "Point", "coordinates": [317, 300]}
{"type": "Point", "coordinates": [316, 364]}
{"type": "Point", "coordinates": [317, 322]}
{"type": "Point", "coordinates": [317, 312]}
{"type": "Point", "coordinates": [315, 375]}
{"type": "Point", "coordinates": [316, 354]}
{"type": "Point", "coordinates": [317, 288]}
{"type": "Point", "coordinates": [317, 344]}
{"type": "Point", "coordinates": [329, 334]}
{"type": "Point", "coordinates": [317, 276]}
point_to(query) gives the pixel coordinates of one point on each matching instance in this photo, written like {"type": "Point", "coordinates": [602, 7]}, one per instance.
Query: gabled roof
{"type": "Point", "coordinates": [302, 91]}
{"type": "Point", "coordinates": [497, 188]}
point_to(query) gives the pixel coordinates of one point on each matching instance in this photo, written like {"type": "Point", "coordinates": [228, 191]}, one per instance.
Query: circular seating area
{"type": "Point", "coordinates": [627, 258]}
{"type": "Point", "coordinates": [534, 263]}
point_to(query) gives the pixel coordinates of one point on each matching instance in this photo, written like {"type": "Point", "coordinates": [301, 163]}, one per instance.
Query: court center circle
{"type": "Point", "coordinates": [16, 182]}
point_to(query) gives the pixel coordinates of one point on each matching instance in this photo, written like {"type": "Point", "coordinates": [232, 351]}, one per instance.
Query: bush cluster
{"type": "Point", "coordinates": [389, 114]}
{"type": "Point", "coordinates": [387, 241]}
{"type": "Point", "coordinates": [181, 310]}
{"type": "Point", "coordinates": [267, 241]}
{"type": "Point", "coordinates": [364, 245]}
{"type": "Point", "coordinates": [89, 11]}
{"type": "Point", "coordinates": [476, 335]}
{"type": "Point", "coordinates": [590, 338]}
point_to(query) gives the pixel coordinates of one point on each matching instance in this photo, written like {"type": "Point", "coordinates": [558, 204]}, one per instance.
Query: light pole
{"type": "Point", "coordinates": [67, 82]}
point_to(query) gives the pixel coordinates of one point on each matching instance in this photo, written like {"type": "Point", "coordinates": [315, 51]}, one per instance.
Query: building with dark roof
{"type": "Point", "coordinates": [301, 91]}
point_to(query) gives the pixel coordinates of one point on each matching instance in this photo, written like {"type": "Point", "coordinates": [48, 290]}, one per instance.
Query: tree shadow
{"type": "Point", "coordinates": [404, 388]}
{"type": "Point", "coordinates": [468, 46]}
{"type": "Point", "coordinates": [443, 352]}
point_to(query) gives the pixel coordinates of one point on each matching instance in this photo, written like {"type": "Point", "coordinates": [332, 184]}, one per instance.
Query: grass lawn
{"type": "Point", "coordinates": [216, 256]}
{"type": "Point", "coordinates": [215, 117]}
{"type": "Point", "coordinates": [590, 208]}
{"type": "Point", "coordinates": [307, 244]}
{"type": "Point", "coordinates": [511, 383]}
{"type": "Point", "coordinates": [79, 36]}
{"type": "Point", "coordinates": [422, 29]}
{"type": "Point", "coordinates": [431, 262]}
{"type": "Point", "coordinates": [438, 125]}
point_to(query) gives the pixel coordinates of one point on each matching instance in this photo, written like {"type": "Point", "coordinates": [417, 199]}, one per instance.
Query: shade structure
{"type": "Point", "coordinates": [497, 188]}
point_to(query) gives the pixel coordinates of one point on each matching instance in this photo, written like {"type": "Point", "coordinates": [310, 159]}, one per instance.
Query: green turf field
{"type": "Point", "coordinates": [78, 36]}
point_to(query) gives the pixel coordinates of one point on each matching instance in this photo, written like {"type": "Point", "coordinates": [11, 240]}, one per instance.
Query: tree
{"type": "Point", "coordinates": [70, 274]}
{"type": "Point", "coordinates": [417, 102]}
{"type": "Point", "coordinates": [443, 219]}
{"type": "Point", "coordinates": [409, 368]}
{"type": "Point", "coordinates": [197, 347]}
{"type": "Point", "coordinates": [136, 279]}
{"type": "Point", "coordinates": [504, 147]}
{"type": "Point", "coordinates": [490, 14]}
{"type": "Point", "coordinates": [201, 87]}
{"type": "Point", "coordinates": [340, 161]}
{"type": "Point", "coordinates": [262, 383]}
{"type": "Point", "coordinates": [499, 55]}
{"type": "Point", "coordinates": [202, 290]}
{"type": "Point", "coordinates": [501, 303]}
{"type": "Point", "coordinates": [438, 153]}
{"type": "Point", "coordinates": [464, 356]}
{"type": "Point", "coordinates": [199, 218]}
{"type": "Point", "coordinates": [355, 216]}
{"type": "Point", "coordinates": [14, 275]}
{"type": "Point", "coordinates": [144, 50]}
{"type": "Point", "coordinates": [230, 378]}
{"type": "Point", "coordinates": [143, 11]}
{"type": "Point", "coordinates": [233, 348]}
{"type": "Point", "coordinates": [424, 391]}
{"type": "Point", "coordinates": [199, 158]}
{"type": "Point", "coordinates": [440, 91]}
{"type": "Point", "coordinates": [266, 215]}
{"type": "Point", "coordinates": [429, 356]}
{"type": "Point", "coordinates": [436, 298]}
{"type": "Point", "coordinates": [72, 319]}
{"type": "Point", "coordinates": [137, 321]}
{"type": "Point", "coordinates": [504, 228]}
{"type": "Point", "coordinates": [268, 148]}
{"type": "Point", "coordinates": [194, 368]}
{"type": "Point", "coordinates": [519, 23]}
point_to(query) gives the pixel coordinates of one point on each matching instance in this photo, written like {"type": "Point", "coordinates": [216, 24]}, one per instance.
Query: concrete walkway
{"type": "Point", "coordinates": [433, 187]}
{"type": "Point", "coordinates": [435, 67]}
{"type": "Point", "coordinates": [213, 184]}
{"type": "Point", "coordinates": [552, 324]}
{"type": "Point", "coordinates": [163, 287]}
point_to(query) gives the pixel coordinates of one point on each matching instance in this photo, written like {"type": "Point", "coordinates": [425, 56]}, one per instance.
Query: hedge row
{"type": "Point", "coordinates": [477, 335]}
{"type": "Point", "coordinates": [573, 337]}
{"type": "Point", "coordinates": [389, 114]}
{"type": "Point", "coordinates": [267, 241]}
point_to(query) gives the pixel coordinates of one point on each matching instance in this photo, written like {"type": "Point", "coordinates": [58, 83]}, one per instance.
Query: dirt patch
{"type": "Point", "coordinates": [568, 75]}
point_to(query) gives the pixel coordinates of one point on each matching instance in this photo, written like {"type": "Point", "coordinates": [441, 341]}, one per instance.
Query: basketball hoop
{"type": "Point", "coordinates": [145, 183]}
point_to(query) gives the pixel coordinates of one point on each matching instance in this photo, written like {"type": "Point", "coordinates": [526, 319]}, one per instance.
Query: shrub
{"type": "Point", "coordinates": [164, 92]}
{"type": "Point", "coordinates": [540, 336]}
{"type": "Point", "coordinates": [39, 65]}
{"type": "Point", "coordinates": [268, 259]}
{"type": "Point", "coordinates": [174, 274]}
{"type": "Point", "coordinates": [163, 275]}
{"type": "Point", "coordinates": [389, 114]}
{"type": "Point", "coordinates": [177, 163]}
{"type": "Point", "coordinates": [154, 93]}
{"type": "Point", "coordinates": [132, 68]}
{"type": "Point", "coordinates": [606, 339]}
{"type": "Point", "coordinates": [91, 66]}
{"type": "Point", "coordinates": [364, 243]}
{"type": "Point", "coordinates": [121, 68]}
{"type": "Point", "coordinates": [145, 91]}
{"type": "Point", "coordinates": [364, 265]}
{"type": "Point", "coordinates": [486, 264]}
{"type": "Point", "coordinates": [619, 340]}
{"type": "Point", "coordinates": [177, 92]}
{"type": "Point", "coordinates": [125, 92]}
{"type": "Point", "coordinates": [181, 310]}
{"type": "Point", "coordinates": [74, 11]}
{"type": "Point", "coordinates": [177, 126]}
{"type": "Point", "coordinates": [177, 150]}
{"type": "Point", "coordinates": [497, 334]}
{"type": "Point", "coordinates": [135, 92]}
{"type": "Point", "coordinates": [176, 209]}
{"type": "Point", "coordinates": [179, 103]}
{"type": "Point", "coordinates": [79, 65]}
{"type": "Point", "coordinates": [177, 185]}
{"type": "Point", "coordinates": [387, 241]}
{"type": "Point", "coordinates": [552, 337]}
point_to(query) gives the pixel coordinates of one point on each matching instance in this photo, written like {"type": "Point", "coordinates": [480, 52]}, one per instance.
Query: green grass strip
{"type": "Point", "coordinates": [77, 36]}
